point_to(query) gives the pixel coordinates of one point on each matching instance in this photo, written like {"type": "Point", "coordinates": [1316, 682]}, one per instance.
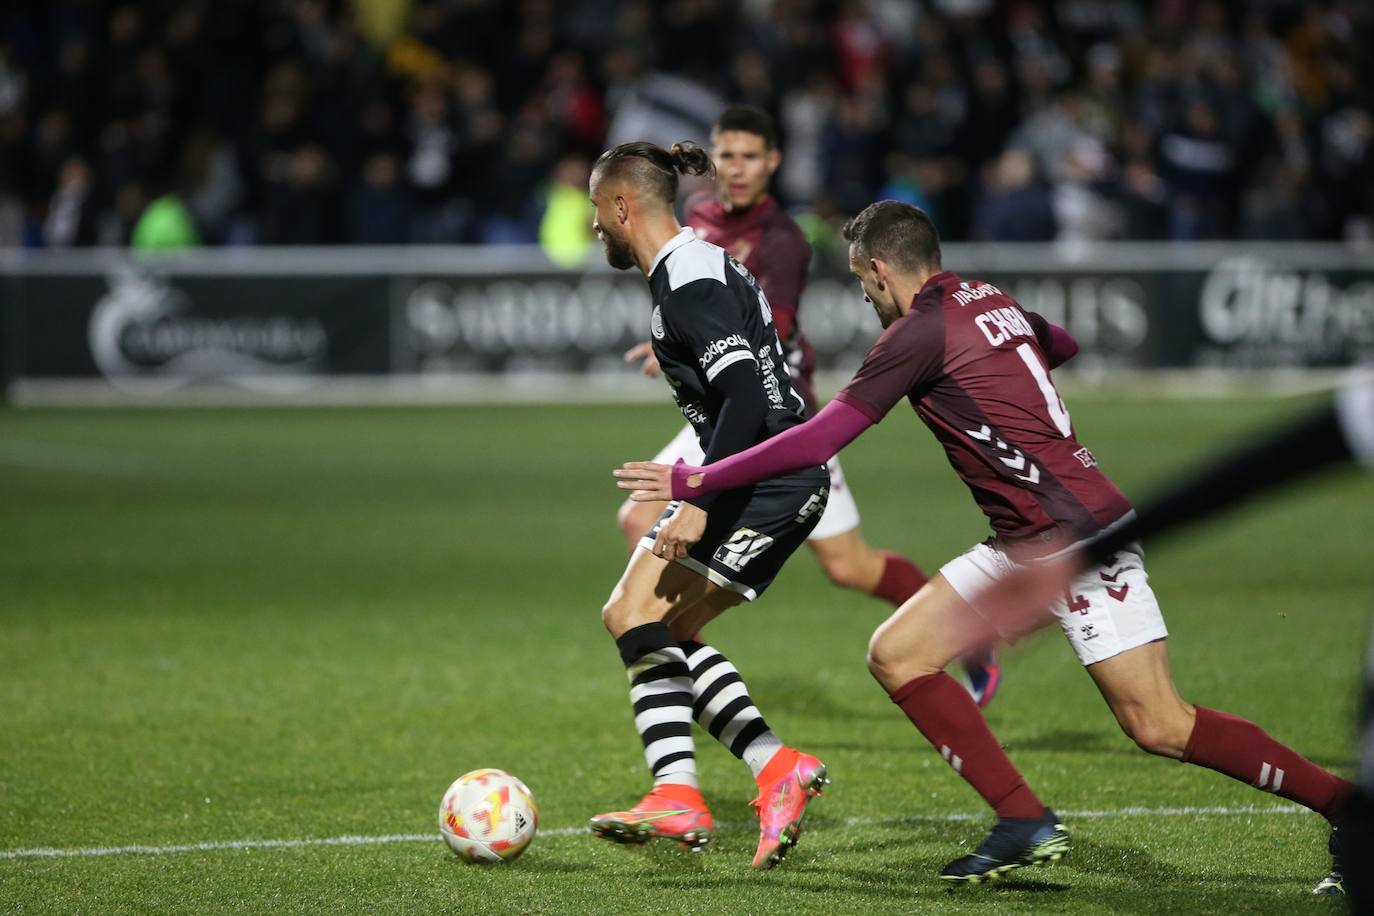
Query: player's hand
{"type": "Point", "coordinates": [682, 529]}
{"type": "Point", "coordinates": [650, 481]}
{"type": "Point", "coordinates": [644, 351]}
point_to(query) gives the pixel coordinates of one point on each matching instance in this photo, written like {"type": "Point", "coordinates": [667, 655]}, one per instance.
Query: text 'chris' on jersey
{"type": "Point", "coordinates": [708, 315]}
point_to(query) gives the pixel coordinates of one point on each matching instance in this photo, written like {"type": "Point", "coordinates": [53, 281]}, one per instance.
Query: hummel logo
{"type": "Point", "coordinates": [1016, 462]}
{"type": "Point", "coordinates": [1119, 593]}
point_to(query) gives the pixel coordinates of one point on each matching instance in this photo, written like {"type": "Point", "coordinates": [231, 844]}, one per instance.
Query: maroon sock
{"type": "Point", "coordinates": [900, 580]}
{"type": "Point", "coordinates": [1242, 750]}
{"type": "Point", "coordinates": [950, 720]}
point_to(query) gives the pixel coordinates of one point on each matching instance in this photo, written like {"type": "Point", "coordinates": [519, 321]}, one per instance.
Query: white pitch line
{"type": "Point", "coordinates": [383, 839]}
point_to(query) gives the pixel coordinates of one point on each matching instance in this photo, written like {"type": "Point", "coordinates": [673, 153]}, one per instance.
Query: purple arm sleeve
{"type": "Point", "coordinates": [1062, 346]}
{"type": "Point", "coordinates": [806, 445]}
{"type": "Point", "coordinates": [1058, 344]}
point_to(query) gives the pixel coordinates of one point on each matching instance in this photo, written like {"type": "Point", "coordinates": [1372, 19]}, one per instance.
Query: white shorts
{"type": "Point", "coordinates": [841, 512]}
{"type": "Point", "coordinates": [1109, 609]}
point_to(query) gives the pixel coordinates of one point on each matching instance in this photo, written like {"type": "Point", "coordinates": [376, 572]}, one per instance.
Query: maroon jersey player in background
{"type": "Point", "coordinates": [974, 365]}
{"type": "Point", "coordinates": [744, 219]}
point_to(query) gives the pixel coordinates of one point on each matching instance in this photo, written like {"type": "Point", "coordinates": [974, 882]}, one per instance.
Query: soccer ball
{"type": "Point", "coordinates": [488, 816]}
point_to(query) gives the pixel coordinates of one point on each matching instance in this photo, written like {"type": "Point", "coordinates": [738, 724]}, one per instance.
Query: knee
{"type": "Point", "coordinates": [1163, 733]}
{"type": "Point", "coordinates": [844, 572]}
{"type": "Point", "coordinates": [850, 563]}
{"type": "Point", "coordinates": [890, 664]}
{"type": "Point", "coordinates": [615, 615]}
{"type": "Point", "coordinates": [634, 519]}
{"type": "Point", "coordinates": [878, 661]}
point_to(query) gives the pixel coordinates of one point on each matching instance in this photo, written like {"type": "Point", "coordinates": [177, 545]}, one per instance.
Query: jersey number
{"type": "Point", "coordinates": [1059, 414]}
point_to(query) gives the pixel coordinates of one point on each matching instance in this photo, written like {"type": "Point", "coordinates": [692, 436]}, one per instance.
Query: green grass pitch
{"type": "Point", "coordinates": [230, 625]}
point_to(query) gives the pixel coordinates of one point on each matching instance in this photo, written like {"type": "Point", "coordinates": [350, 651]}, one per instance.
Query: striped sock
{"type": "Point", "coordinates": [721, 705]}
{"type": "Point", "coordinates": [661, 691]}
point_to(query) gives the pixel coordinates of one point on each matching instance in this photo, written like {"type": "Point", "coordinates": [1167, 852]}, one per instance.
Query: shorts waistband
{"type": "Point", "coordinates": [1031, 546]}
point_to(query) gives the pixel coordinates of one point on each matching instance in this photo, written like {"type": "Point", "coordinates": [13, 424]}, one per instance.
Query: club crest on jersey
{"type": "Point", "coordinates": [656, 323]}
{"type": "Point", "coordinates": [742, 546]}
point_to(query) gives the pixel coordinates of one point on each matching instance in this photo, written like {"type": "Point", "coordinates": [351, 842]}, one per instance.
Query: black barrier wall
{"type": "Point", "coordinates": [286, 321]}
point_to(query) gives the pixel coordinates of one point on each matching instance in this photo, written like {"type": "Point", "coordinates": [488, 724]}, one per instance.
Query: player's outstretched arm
{"type": "Point", "coordinates": [806, 445]}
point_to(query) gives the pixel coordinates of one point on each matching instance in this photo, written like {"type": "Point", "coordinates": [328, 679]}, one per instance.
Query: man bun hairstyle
{"type": "Point", "coordinates": [690, 159]}
{"type": "Point", "coordinates": [749, 120]}
{"type": "Point", "coordinates": [897, 233]}
{"type": "Point", "coordinates": [651, 169]}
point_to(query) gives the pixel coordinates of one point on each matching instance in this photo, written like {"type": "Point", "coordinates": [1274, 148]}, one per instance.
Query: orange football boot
{"type": "Point", "coordinates": [671, 811]}
{"type": "Point", "coordinates": [787, 783]}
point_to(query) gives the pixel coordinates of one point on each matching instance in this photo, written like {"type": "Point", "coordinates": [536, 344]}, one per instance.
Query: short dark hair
{"type": "Point", "coordinates": [750, 120]}
{"type": "Point", "coordinates": [898, 233]}
{"type": "Point", "coordinates": [651, 168]}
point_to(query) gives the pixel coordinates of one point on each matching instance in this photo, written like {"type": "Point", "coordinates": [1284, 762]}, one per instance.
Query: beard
{"type": "Point", "coordinates": [619, 254]}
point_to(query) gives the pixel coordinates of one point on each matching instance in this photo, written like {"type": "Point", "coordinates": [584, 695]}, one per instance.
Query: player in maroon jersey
{"type": "Point", "coordinates": [744, 219]}
{"type": "Point", "coordinates": [974, 365]}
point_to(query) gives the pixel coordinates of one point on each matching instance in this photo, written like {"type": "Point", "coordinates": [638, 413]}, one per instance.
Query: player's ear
{"type": "Point", "coordinates": [879, 270]}
{"type": "Point", "coordinates": [774, 159]}
{"type": "Point", "coordinates": [622, 208]}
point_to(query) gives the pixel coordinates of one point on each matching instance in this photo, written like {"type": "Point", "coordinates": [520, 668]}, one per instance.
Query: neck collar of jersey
{"type": "Point", "coordinates": [937, 286]}
{"type": "Point", "coordinates": [942, 279]}
{"type": "Point", "coordinates": [757, 210]}
{"type": "Point", "coordinates": [685, 234]}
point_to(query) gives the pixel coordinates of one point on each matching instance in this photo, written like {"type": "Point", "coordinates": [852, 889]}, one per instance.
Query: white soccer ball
{"type": "Point", "coordinates": [488, 816]}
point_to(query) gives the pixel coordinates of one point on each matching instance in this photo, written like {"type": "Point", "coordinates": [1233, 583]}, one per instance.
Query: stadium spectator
{"type": "Point", "coordinates": [563, 230]}
{"type": "Point", "coordinates": [70, 219]}
{"type": "Point", "coordinates": [379, 209]}
{"type": "Point", "coordinates": [165, 224]}
{"type": "Point", "coordinates": [1017, 206]}
{"type": "Point", "coordinates": [1175, 96]}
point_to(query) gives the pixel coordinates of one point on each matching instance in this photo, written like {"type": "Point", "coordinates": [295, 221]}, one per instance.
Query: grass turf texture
{"type": "Point", "coordinates": [283, 624]}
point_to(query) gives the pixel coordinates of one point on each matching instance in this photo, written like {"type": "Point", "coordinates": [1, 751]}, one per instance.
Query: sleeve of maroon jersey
{"type": "Point", "coordinates": [908, 357]}
{"type": "Point", "coordinates": [783, 258]}
{"type": "Point", "coordinates": [1056, 343]}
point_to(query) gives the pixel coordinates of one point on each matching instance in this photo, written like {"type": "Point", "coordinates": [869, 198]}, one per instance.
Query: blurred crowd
{"type": "Point", "coordinates": [240, 122]}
